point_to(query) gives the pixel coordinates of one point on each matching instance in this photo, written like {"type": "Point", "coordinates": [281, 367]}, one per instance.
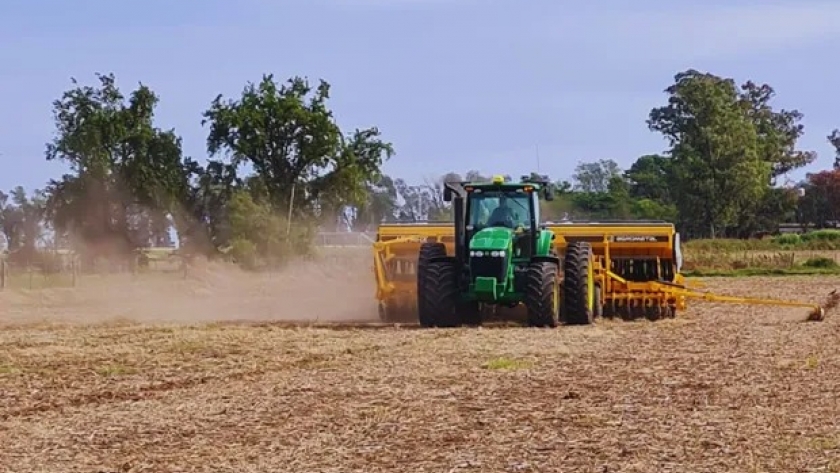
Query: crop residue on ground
{"type": "Point", "coordinates": [721, 388]}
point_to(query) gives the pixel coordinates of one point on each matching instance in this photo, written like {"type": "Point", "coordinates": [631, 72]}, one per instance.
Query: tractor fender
{"type": "Point", "coordinates": [546, 259]}
{"type": "Point", "coordinates": [443, 259]}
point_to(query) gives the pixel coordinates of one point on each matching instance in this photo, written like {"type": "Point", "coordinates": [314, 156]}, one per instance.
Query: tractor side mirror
{"type": "Point", "coordinates": [548, 193]}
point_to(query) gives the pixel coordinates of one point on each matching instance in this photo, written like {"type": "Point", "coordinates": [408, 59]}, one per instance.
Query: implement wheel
{"type": "Point", "coordinates": [395, 313]}
{"type": "Point", "coordinates": [384, 316]}
{"type": "Point", "coordinates": [598, 306]}
{"type": "Point", "coordinates": [578, 286]}
{"type": "Point", "coordinates": [427, 252]}
{"type": "Point", "coordinates": [438, 299]}
{"type": "Point", "coordinates": [542, 295]}
{"type": "Point", "coordinates": [654, 312]}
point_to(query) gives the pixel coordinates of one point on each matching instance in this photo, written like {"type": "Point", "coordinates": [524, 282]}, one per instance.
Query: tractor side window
{"type": "Point", "coordinates": [480, 209]}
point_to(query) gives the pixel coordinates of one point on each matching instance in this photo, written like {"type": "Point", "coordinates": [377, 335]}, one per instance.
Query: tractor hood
{"type": "Point", "coordinates": [489, 239]}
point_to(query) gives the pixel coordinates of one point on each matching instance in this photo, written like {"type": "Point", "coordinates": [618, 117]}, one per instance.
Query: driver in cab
{"type": "Point", "coordinates": [502, 215]}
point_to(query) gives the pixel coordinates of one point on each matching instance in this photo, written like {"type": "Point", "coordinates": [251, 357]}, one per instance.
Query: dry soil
{"type": "Point", "coordinates": [723, 388]}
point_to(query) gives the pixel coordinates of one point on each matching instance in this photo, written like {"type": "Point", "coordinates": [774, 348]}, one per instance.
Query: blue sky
{"type": "Point", "coordinates": [455, 84]}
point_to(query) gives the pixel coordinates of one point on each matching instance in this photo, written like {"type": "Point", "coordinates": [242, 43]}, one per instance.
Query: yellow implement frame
{"type": "Point", "coordinates": [635, 268]}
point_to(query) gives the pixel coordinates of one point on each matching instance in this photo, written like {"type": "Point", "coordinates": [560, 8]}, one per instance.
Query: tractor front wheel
{"type": "Point", "coordinates": [438, 299]}
{"type": "Point", "coordinates": [542, 295]}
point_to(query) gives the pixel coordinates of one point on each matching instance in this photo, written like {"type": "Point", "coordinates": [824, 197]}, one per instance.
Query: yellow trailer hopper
{"type": "Point", "coordinates": [635, 268]}
{"type": "Point", "coordinates": [395, 254]}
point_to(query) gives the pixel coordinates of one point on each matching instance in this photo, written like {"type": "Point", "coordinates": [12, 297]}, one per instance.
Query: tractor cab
{"type": "Point", "coordinates": [499, 213]}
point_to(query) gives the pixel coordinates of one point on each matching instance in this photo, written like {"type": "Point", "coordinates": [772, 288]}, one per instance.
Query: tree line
{"type": "Point", "coordinates": [728, 149]}
{"type": "Point", "coordinates": [279, 168]}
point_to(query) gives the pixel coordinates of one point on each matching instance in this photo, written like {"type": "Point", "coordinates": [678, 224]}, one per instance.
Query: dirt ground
{"type": "Point", "coordinates": [149, 382]}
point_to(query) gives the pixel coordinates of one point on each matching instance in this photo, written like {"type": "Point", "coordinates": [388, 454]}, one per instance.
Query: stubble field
{"type": "Point", "coordinates": [170, 375]}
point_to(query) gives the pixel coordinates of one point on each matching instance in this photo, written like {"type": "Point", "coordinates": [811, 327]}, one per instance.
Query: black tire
{"type": "Point", "coordinates": [428, 251]}
{"type": "Point", "coordinates": [575, 307]}
{"type": "Point", "coordinates": [542, 295]}
{"type": "Point", "coordinates": [439, 295]}
{"type": "Point", "coordinates": [609, 310]}
{"type": "Point", "coordinates": [654, 312]}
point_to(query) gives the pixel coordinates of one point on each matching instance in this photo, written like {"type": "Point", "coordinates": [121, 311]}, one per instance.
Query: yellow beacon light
{"type": "Point", "coordinates": [498, 179]}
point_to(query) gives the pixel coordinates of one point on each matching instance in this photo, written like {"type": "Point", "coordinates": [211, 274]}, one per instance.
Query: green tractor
{"type": "Point", "coordinates": [503, 257]}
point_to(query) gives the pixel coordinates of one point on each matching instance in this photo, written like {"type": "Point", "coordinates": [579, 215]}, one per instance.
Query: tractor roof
{"type": "Point", "coordinates": [498, 182]}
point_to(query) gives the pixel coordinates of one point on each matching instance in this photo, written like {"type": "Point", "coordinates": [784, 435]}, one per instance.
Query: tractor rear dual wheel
{"type": "Point", "coordinates": [428, 251]}
{"type": "Point", "coordinates": [437, 298]}
{"type": "Point", "coordinates": [578, 289]}
{"type": "Point", "coordinates": [542, 294]}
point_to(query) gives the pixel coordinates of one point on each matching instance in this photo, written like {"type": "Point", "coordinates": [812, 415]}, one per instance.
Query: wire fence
{"type": "Point", "coordinates": [65, 270]}
{"type": "Point", "coordinates": [15, 276]}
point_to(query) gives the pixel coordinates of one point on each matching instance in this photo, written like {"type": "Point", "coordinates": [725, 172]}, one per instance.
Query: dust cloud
{"type": "Point", "coordinates": [334, 287]}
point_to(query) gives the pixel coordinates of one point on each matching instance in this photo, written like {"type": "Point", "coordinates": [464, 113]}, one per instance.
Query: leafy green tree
{"type": "Point", "coordinates": [10, 223]}
{"type": "Point", "coordinates": [778, 131]}
{"type": "Point", "coordinates": [595, 176]}
{"type": "Point", "coordinates": [834, 139]}
{"type": "Point", "coordinates": [717, 162]}
{"type": "Point", "coordinates": [820, 204]}
{"type": "Point", "coordinates": [563, 187]}
{"type": "Point", "coordinates": [256, 231]}
{"type": "Point", "coordinates": [649, 177]}
{"type": "Point", "coordinates": [127, 176]}
{"type": "Point", "coordinates": [31, 211]}
{"type": "Point", "coordinates": [425, 201]}
{"type": "Point", "coordinates": [380, 205]}
{"type": "Point", "coordinates": [415, 201]}
{"type": "Point", "coordinates": [22, 223]}
{"type": "Point", "coordinates": [204, 225]}
{"type": "Point", "coordinates": [563, 205]}
{"type": "Point", "coordinates": [288, 135]}
{"type": "Point", "coordinates": [441, 210]}
{"type": "Point", "coordinates": [613, 203]}
{"type": "Point", "coordinates": [653, 209]}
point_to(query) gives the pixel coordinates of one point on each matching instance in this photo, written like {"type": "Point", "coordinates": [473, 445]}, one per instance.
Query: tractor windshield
{"type": "Point", "coordinates": [505, 208]}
